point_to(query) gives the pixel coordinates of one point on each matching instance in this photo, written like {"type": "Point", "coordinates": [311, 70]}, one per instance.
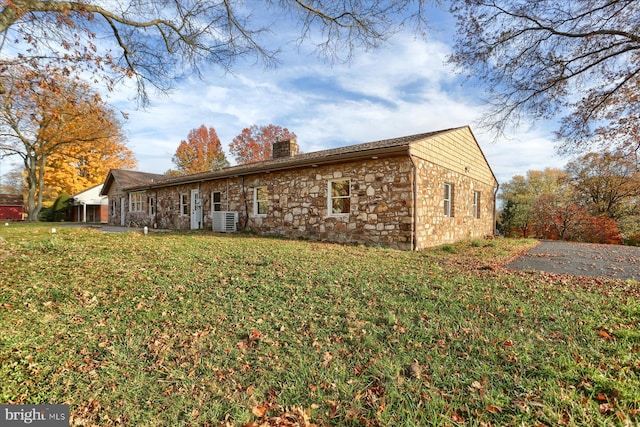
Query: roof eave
{"type": "Point", "coordinates": [294, 163]}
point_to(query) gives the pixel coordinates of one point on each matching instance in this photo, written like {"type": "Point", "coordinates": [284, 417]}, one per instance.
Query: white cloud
{"type": "Point", "coordinates": [530, 151]}
{"type": "Point", "coordinates": [403, 89]}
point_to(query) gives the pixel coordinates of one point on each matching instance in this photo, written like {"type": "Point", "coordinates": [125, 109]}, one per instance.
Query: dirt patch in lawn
{"type": "Point", "coordinates": [581, 259]}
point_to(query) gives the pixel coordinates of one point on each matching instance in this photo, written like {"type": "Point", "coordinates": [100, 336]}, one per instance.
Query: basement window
{"type": "Point", "coordinates": [339, 197]}
{"type": "Point", "coordinates": [448, 199]}
{"type": "Point", "coordinates": [260, 201]}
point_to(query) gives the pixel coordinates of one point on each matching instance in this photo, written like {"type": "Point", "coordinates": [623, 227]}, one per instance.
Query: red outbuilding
{"type": "Point", "coordinates": [11, 207]}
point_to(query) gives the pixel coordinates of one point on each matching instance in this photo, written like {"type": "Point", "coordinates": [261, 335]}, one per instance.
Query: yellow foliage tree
{"type": "Point", "coordinates": [47, 115]}
{"type": "Point", "coordinates": [85, 165]}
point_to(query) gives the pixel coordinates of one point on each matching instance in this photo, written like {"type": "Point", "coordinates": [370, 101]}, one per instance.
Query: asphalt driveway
{"type": "Point", "coordinates": [581, 259]}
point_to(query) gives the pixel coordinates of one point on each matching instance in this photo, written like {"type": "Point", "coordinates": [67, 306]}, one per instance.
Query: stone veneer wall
{"type": "Point", "coordinates": [452, 157]}
{"type": "Point", "coordinates": [116, 194]}
{"type": "Point", "coordinates": [381, 203]}
{"type": "Point", "coordinates": [434, 227]}
{"type": "Point", "coordinates": [381, 199]}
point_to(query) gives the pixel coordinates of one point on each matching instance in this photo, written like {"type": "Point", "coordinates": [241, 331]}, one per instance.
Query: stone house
{"type": "Point", "coordinates": [121, 211]}
{"type": "Point", "coordinates": [407, 193]}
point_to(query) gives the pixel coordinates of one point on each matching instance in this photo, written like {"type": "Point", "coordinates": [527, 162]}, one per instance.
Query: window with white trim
{"type": "Point", "coordinates": [339, 197]}
{"type": "Point", "coordinates": [448, 199]}
{"type": "Point", "coordinates": [216, 201]}
{"type": "Point", "coordinates": [136, 201]}
{"type": "Point", "coordinates": [476, 204]}
{"type": "Point", "coordinates": [260, 201]}
{"type": "Point", "coordinates": [114, 207]}
{"type": "Point", "coordinates": [184, 204]}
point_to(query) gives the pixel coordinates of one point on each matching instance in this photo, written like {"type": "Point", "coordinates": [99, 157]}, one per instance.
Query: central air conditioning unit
{"type": "Point", "coordinates": [225, 221]}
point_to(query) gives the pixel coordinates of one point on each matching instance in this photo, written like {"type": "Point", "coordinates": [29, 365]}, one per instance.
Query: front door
{"type": "Point", "coordinates": [196, 210]}
{"type": "Point", "coordinates": [122, 210]}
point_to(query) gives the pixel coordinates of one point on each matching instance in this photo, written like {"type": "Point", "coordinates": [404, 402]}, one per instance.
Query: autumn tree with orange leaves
{"type": "Point", "coordinates": [201, 152]}
{"type": "Point", "coordinates": [46, 116]}
{"type": "Point", "coordinates": [255, 143]}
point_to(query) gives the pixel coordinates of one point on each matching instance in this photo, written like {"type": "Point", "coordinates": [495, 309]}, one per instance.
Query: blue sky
{"type": "Point", "coordinates": [402, 89]}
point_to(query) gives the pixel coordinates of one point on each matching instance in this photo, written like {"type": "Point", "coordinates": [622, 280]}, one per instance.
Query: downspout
{"type": "Point", "coordinates": [414, 191]}
{"type": "Point", "coordinates": [155, 210]}
{"type": "Point", "coordinates": [201, 216]}
{"type": "Point", "coordinates": [495, 208]}
{"type": "Point", "coordinates": [246, 205]}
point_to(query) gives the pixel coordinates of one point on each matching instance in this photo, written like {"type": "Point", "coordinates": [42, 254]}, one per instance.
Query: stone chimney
{"type": "Point", "coordinates": [285, 148]}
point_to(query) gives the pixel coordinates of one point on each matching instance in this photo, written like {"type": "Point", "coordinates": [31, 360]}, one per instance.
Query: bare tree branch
{"type": "Point", "coordinates": [156, 41]}
{"type": "Point", "coordinates": [543, 59]}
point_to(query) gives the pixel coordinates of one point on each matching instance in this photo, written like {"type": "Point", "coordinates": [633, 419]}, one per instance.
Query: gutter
{"type": "Point", "coordinates": [495, 208]}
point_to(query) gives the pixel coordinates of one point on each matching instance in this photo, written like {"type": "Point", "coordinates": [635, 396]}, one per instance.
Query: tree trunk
{"type": "Point", "coordinates": [40, 184]}
{"type": "Point", "coordinates": [30, 163]}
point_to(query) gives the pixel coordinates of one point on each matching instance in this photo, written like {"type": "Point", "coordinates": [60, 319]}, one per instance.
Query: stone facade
{"type": "Point", "coordinates": [387, 193]}
{"type": "Point", "coordinates": [453, 158]}
{"type": "Point", "coordinates": [380, 203]}
{"type": "Point", "coordinates": [436, 228]}
{"type": "Point", "coordinates": [120, 210]}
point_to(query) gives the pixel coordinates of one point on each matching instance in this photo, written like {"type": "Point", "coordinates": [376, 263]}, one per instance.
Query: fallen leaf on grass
{"type": "Point", "coordinates": [327, 358]}
{"type": "Point", "coordinates": [476, 384]}
{"type": "Point", "coordinates": [604, 408]}
{"type": "Point", "coordinates": [455, 417]}
{"type": "Point", "coordinates": [605, 334]}
{"type": "Point", "coordinates": [294, 417]}
{"type": "Point", "coordinates": [601, 397]}
{"type": "Point", "coordinates": [259, 411]}
{"type": "Point", "coordinates": [494, 409]}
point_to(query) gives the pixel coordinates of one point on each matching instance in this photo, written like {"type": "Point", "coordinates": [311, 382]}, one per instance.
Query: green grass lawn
{"type": "Point", "coordinates": [199, 329]}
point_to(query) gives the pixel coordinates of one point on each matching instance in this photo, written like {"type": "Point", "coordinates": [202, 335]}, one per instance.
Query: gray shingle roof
{"type": "Point", "coordinates": [129, 179]}
{"type": "Point", "coordinates": [11, 200]}
{"type": "Point", "coordinates": [351, 152]}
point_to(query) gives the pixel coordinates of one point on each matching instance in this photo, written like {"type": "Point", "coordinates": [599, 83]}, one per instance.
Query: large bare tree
{"type": "Point", "coordinates": [577, 62]}
{"type": "Point", "coordinates": [154, 41]}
